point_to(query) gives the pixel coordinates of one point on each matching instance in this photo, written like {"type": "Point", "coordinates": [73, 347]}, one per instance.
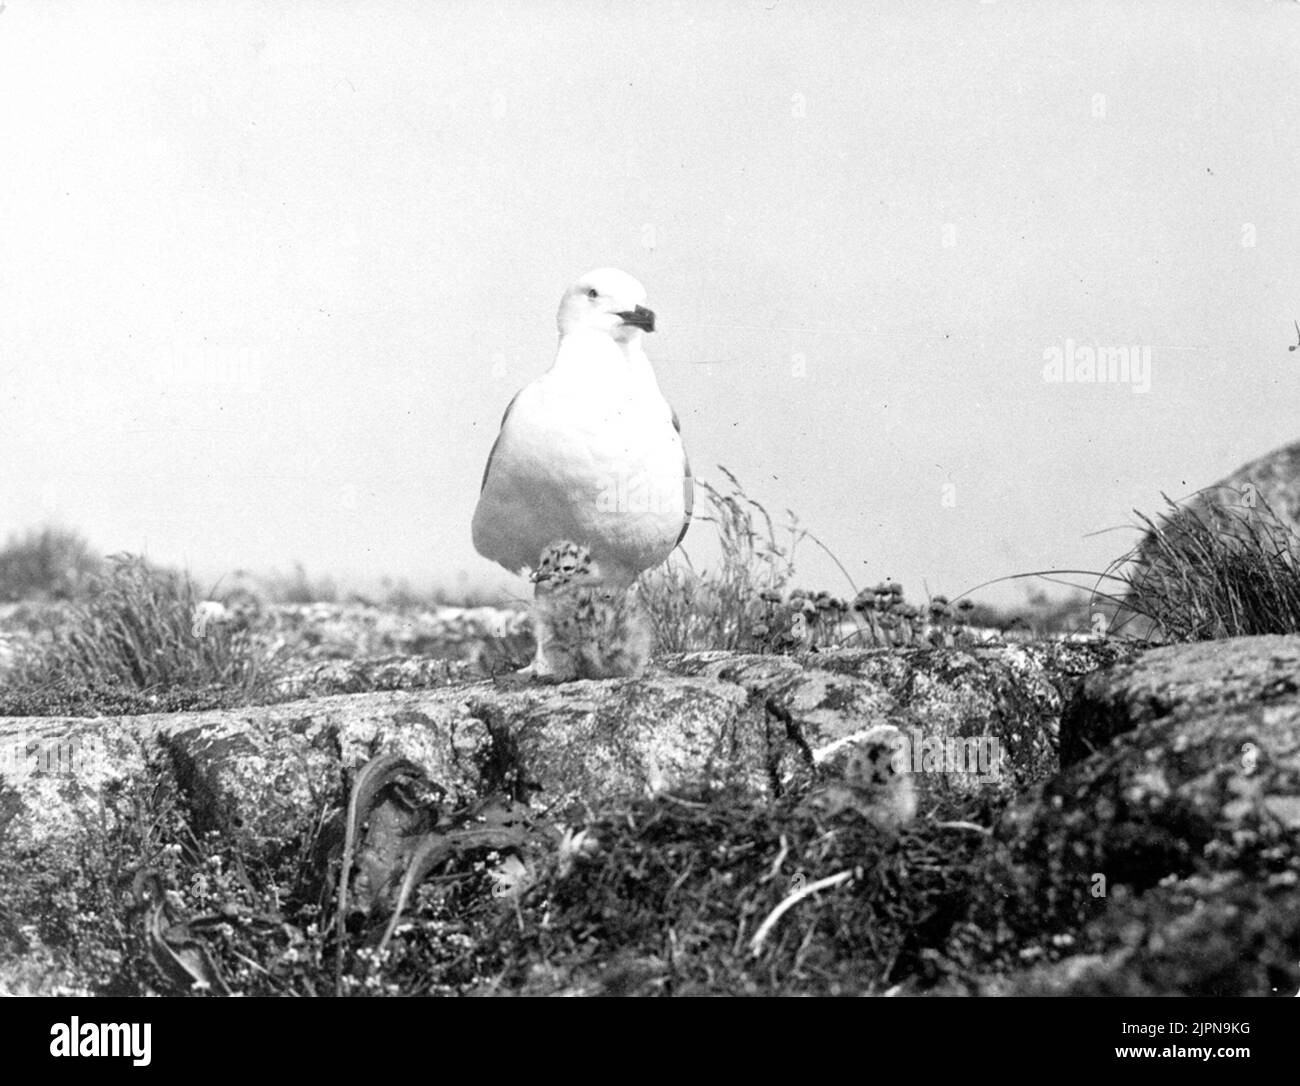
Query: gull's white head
{"type": "Point", "coordinates": [606, 300]}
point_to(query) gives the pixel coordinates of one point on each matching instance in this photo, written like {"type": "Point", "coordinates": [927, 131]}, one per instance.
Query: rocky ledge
{"type": "Point", "coordinates": [1160, 859]}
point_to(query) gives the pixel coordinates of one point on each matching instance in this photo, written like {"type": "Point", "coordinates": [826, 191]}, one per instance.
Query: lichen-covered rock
{"type": "Point", "coordinates": [759, 722]}
{"type": "Point", "coordinates": [1148, 861]}
{"type": "Point", "coordinates": [970, 716]}
{"type": "Point", "coordinates": [1230, 933]}
{"type": "Point", "coordinates": [364, 674]}
{"type": "Point", "coordinates": [587, 741]}
{"type": "Point", "coordinates": [338, 631]}
{"type": "Point", "coordinates": [265, 771]}
{"type": "Point", "coordinates": [1178, 682]}
{"type": "Point", "coordinates": [1177, 844]}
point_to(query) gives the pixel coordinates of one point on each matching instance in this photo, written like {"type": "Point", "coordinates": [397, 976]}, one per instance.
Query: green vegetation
{"type": "Point", "coordinates": [137, 642]}
{"type": "Point", "coordinates": [49, 563]}
{"type": "Point", "coordinates": [121, 637]}
{"type": "Point", "coordinates": [747, 602]}
{"type": "Point", "coordinates": [590, 913]}
{"type": "Point", "coordinates": [1215, 571]}
{"type": "Point", "coordinates": [720, 608]}
{"type": "Point", "coordinates": [940, 907]}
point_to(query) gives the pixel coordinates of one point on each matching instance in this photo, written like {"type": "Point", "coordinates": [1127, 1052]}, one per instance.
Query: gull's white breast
{"type": "Point", "coordinates": [589, 457]}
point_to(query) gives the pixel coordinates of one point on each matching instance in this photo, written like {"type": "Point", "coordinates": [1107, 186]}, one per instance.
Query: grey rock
{"type": "Point", "coordinates": [753, 722]}
{"type": "Point", "coordinates": [1209, 678]}
{"type": "Point", "coordinates": [1180, 787]}
{"type": "Point", "coordinates": [1169, 841]}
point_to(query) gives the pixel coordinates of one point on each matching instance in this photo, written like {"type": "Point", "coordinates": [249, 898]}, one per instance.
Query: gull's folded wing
{"type": "Point", "coordinates": [688, 483]}
{"type": "Point", "coordinates": [487, 469]}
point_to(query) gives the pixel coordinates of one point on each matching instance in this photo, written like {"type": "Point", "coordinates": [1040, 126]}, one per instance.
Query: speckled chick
{"type": "Point", "coordinates": [585, 629]}
{"type": "Point", "coordinates": [871, 783]}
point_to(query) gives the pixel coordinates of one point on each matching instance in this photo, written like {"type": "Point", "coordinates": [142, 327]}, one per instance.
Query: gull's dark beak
{"type": "Point", "coordinates": [640, 317]}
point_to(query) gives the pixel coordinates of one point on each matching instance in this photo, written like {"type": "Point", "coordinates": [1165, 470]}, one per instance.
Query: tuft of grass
{"type": "Point", "coordinates": [1202, 571]}
{"type": "Point", "coordinates": [719, 608]}
{"type": "Point", "coordinates": [139, 632]}
{"type": "Point", "coordinates": [46, 563]}
{"type": "Point", "coordinates": [1214, 570]}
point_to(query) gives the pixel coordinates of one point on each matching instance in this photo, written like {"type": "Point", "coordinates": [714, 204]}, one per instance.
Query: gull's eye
{"type": "Point", "coordinates": [593, 293]}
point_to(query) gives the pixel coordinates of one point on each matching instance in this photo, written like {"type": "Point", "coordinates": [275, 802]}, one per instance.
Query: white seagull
{"type": "Point", "coordinates": [590, 452]}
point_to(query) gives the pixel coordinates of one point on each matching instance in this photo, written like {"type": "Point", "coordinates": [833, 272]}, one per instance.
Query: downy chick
{"type": "Point", "coordinates": [585, 629]}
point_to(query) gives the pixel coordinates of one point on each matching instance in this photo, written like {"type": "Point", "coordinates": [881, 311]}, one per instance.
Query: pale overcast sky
{"type": "Point", "coordinates": [269, 273]}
